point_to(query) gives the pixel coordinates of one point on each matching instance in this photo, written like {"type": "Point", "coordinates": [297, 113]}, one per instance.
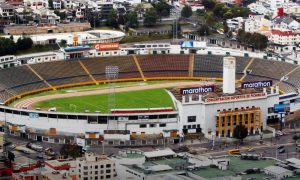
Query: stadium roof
{"type": "Point", "coordinates": [160, 167]}
{"type": "Point", "coordinates": [159, 153]}
{"type": "Point", "coordinates": [276, 170]}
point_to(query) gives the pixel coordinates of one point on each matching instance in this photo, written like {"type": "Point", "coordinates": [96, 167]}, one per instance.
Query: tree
{"type": "Point", "coordinates": [131, 19]}
{"type": "Point", "coordinates": [162, 8]}
{"type": "Point", "coordinates": [7, 46]}
{"type": "Point", "coordinates": [295, 138]}
{"type": "Point", "coordinates": [209, 19]}
{"type": "Point", "coordinates": [63, 43]}
{"type": "Point", "coordinates": [209, 4]}
{"type": "Point", "coordinates": [93, 18]}
{"type": "Point", "coordinates": [219, 10]}
{"type": "Point", "coordinates": [121, 19]}
{"type": "Point", "coordinates": [24, 43]}
{"type": "Point", "coordinates": [150, 18]}
{"type": "Point", "coordinates": [203, 30]}
{"type": "Point", "coordinates": [256, 40]}
{"type": "Point", "coordinates": [50, 4]}
{"type": "Point", "coordinates": [112, 19]}
{"type": "Point", "coordinates": [73, 151]}
{"type": "Point", "coordinates": [186, 11]}
{"type": "Point", "coordinates": [240, 132]}
{"type": "Point", "coordinates": [62, 15]}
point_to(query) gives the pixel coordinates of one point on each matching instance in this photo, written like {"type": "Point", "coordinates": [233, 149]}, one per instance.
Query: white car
{"type": "Point", "coordinates": [279, 133]}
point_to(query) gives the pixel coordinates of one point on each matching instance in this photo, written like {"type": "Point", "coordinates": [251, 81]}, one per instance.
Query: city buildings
{"type": "Point", "coordinates": [93, 166]}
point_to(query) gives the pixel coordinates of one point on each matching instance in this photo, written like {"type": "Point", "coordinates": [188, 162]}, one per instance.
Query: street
{"type": "Point", "coordinates": [268, 148]}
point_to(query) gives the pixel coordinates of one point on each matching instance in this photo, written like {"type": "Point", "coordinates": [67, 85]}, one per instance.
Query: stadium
{"type": "Point", "coordinates": [147, 90]}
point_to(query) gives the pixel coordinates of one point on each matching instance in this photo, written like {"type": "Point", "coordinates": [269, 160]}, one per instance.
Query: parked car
{"type": "Point", "coordinates": [280, 147]}
{"type": "Point", "coordinates": [35, 147]}
{"type": "Point", "coordinates": [280, 151]}
{"type": "Point", "coordinates": [40, 156]}
{"type": "Point", "coordinates": [25, 151]}
{"type": "Point", "coordinates": [49, 152]}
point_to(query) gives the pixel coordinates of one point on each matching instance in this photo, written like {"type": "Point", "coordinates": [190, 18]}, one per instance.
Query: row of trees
{"type": "Point", "coordinates": [255, 40]}
{"type": "Point", "coordinates": [9, 47]}
{"type": "Point", "coordinates": [223, 11]}
{"type": "Point", "coordinates": [216, 15]}
{"type": "Point", "coordinates": [130, 19]}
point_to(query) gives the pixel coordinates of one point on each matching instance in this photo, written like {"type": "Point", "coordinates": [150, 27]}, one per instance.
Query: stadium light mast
{"type": "Point", "coordinates": [174, 13]}
{"type": "Point", "coordinates": [112, 73]}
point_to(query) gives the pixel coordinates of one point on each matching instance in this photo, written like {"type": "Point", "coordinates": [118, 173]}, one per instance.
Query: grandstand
{"type": "Point", "coordinates": [164, 65]}
{"type": "Point", "coordinates": [127, 67]}
{"type": "Point", "coordinates": [22, 80]}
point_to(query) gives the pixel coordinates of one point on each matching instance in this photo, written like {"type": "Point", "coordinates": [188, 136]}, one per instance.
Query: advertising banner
{"type": "Point", "coordinates": [257, 84]}
{"type": "Point", "coordinates": [197, 90]}
{"type": "Point", "coordinates": [106, 46]}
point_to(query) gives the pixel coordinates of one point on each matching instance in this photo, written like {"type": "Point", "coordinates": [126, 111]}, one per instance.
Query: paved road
{"type": "Point", "coordinates": [268, 148]}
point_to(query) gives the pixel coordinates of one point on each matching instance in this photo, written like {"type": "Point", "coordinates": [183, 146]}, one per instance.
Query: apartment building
{"type": "Point", "coordinates": [93, 166]}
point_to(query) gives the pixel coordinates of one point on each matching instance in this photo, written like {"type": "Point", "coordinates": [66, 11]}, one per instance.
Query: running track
{"type": "Point", "coordinates": [29, 102]}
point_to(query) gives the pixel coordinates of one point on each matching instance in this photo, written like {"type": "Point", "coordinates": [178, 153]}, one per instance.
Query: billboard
{"type": "Point", "coordinates": [197, 90]}
{"type": "Point", "coordinates": [281, 108]}
{"type": "Point", "coordinates": [106, 46]}
{"type": "Point", "coordinates": [257, 84]}
{"type": "Point", "coordinates": [193, 44]}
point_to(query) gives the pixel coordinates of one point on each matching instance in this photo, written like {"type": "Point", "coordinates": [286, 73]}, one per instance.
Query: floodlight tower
{"type": "Point", "coordinates": [112, 73]}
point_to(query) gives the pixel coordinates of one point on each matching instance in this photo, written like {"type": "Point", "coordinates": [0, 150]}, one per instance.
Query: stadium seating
{"type": "Point", "coordinates": [22, 79]}
{"type": "Point", "coordinates": [126, 64]}
{"type": "Point", "coordinates": [29, 87]}
{"type": "Point", "coordinates": [59, 69]}
{"type": "Point", "coordinates": [164, 65]}
{"type": "Point", "coordinates": [17, 76]}
{"type": "Point", "coordinates": [294, 78]}
{"type": "Point", "coordinates": [272, 69]}
{"type": "Point", "coordinates": [212, 66]}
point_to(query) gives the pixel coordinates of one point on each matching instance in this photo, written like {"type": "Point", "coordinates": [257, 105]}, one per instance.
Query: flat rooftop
{"type": "Point", "coordinates": [218, 92]}
{"type": "Point", "coordinates": [236, 166]}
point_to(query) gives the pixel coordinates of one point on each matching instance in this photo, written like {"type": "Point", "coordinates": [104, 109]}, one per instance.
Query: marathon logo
{"type": "Point", "coordinates": [257, 84]}
{"type": "Point", "coordinates": [197, 90]}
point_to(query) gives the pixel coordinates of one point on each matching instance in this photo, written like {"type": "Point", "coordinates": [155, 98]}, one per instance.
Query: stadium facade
{"type": "Point", "coordinates": [216, 111]}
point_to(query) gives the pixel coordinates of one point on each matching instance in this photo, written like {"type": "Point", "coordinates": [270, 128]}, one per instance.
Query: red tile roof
{"type": "Point", "coordinates": [283, 33]}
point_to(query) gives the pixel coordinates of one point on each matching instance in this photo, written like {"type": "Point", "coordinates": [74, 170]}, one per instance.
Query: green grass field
{"type": "Point", "coordinates": [96, 87]}
{"type": "Point", "coordinates": [151, 98]}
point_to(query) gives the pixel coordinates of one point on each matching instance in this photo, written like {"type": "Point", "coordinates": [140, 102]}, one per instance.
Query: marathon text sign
{"type": "Point", "coordinates": [197, 90]}
{"type": "Point", "coordinates": [235, 98]}
{"type": "Point", "coordinates": [257, 84]}
{"type": "Point", "coordinates": [106, 46]}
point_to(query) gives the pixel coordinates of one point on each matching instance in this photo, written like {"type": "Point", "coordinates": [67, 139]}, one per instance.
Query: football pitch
{"type": "Point", "coordinates": [150, 98]}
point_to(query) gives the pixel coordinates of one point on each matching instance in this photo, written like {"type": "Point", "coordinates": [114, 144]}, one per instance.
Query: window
{"type": "Point", "coordinates": [108, 171]}
{"type": "Point", "coordinates": [108, 165]}
{"type": "Point", "coordinates": [101, 166]}
{"type": "Point", "coordinates": [143, 125]}
{"type": "Point", "coordinates": [85, 178]}
{"type": "Point", "coordinates": [152, 125]}
{"type": "Point", "coordinates": [96, 172]}
{"type": "Point", "coordinates": [162, 125]}
{"type": "Point", "coordinates": [107, 176]}
{"type": "Point", "coordinates": [191, 118]}
{"type": "Point", "coordinates": [85, 173]}
{"type": "Point", "coordinates": [96, 167]}
{"type": "Point", "coordinates": [85, 167]}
